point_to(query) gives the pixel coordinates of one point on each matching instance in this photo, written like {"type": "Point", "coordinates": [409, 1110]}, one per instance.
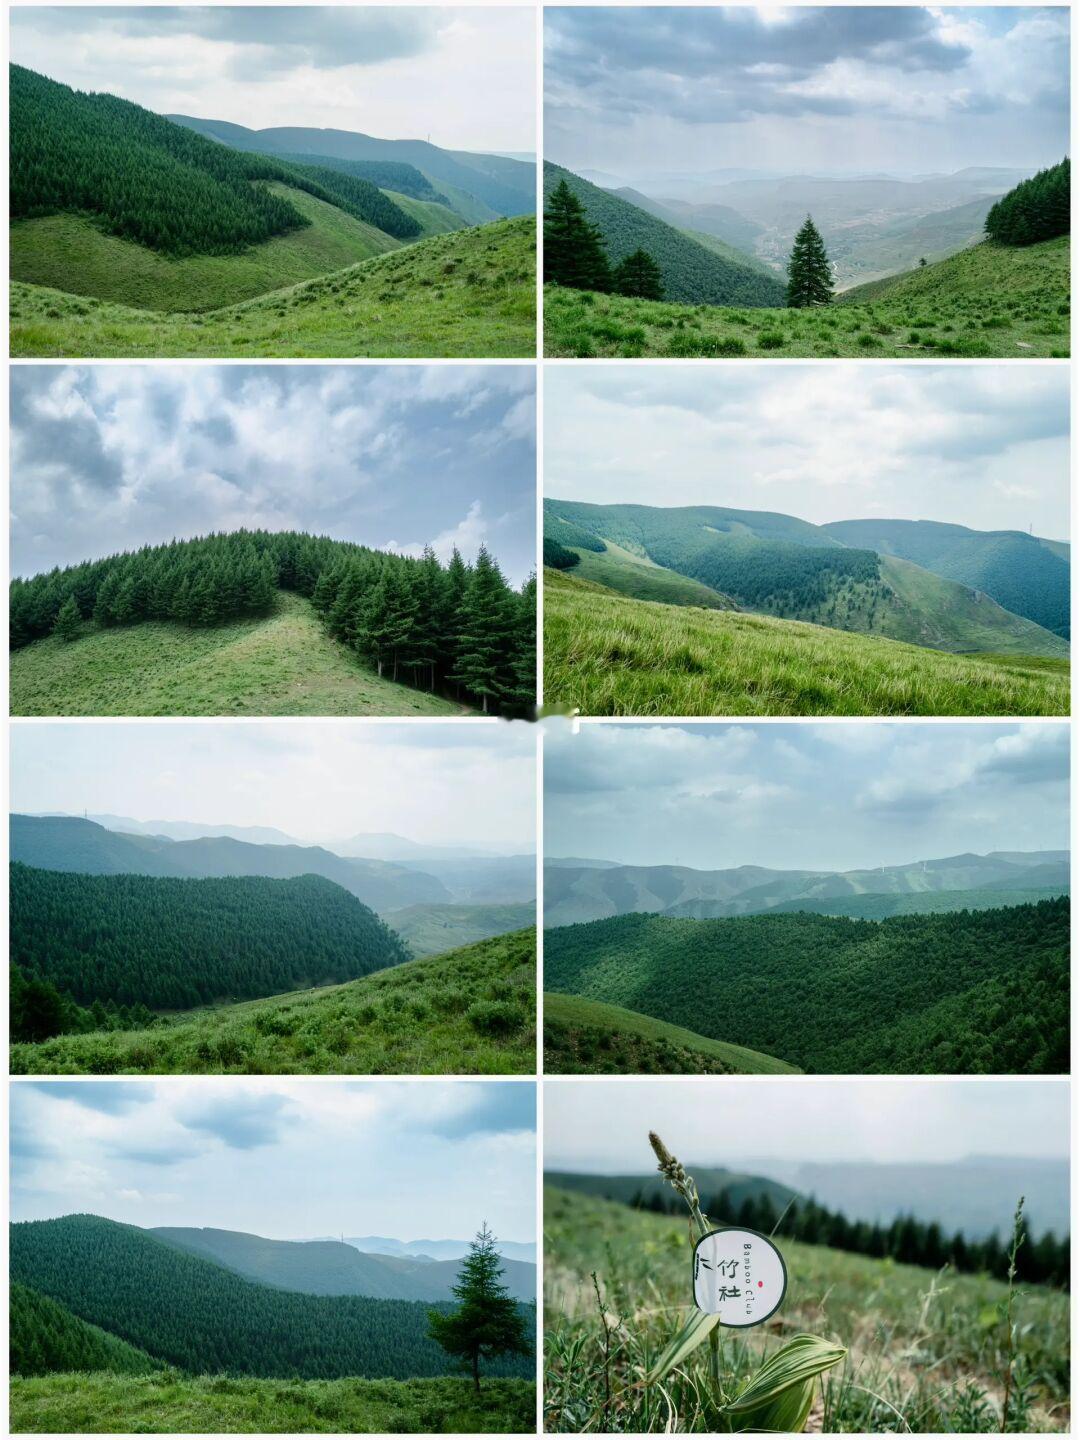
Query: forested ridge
{"type": "Point", "coordinates": [1036, 209]}
{"type": "Point", "coordinates": [456, 628]}
{"type": "Point", "coordinates": [174, 944]}
{"type": "Point", "coordinates": [45, 1336]}
{"type": "Point", "coordinates": [202, 1318]}
{"type": "Point", "coordinates": [983, 992]}
{"type": "Point", "coordinates": [393, 175]}
{"type": "Point", "coordinates": [159, 184]}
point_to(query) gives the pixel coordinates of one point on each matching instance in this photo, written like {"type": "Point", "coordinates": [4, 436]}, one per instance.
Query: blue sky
{"type": "Point", "coordinates": [801, 89]}
{"type": "Point", "coordinates": [108, 457]}
{"type": "Point", "coordinates": [289, 1160]}
{"type": "Point", "coordinates": [836, 796]}
{"type": "Point", "coordinates": [444, 784]}
{"type": "Point", "coordinates": [980, 445]}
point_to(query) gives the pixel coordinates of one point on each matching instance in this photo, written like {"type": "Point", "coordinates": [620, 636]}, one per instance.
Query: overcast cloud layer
{"type": "Point", "coordinates": [835, 89]}
{"type": "Point", "coordinates": [983, 446]}
{"type": "Point", "coordinates": [463, 77]}
{"type": "Point", "coordinates": [289, 1160]}
{"type": "Point", "coordinates": [465, 784]}
{"type": "Point", "coordinates": [836, 796]}
{"type": "Point", "coordinates": [601, 1126]}
{"type": "Point", "coordinates": [107, 458]}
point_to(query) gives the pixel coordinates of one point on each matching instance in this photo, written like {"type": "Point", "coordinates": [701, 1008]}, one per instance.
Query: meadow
{"type": "Point", "coordinates": [927, 1350]}
{"type": "Point", "coordinates": [989, 301]}
{"type": "Point", "coordinates": [172, 1403]}
{"type": "Point", "coordinates": [470, 1011]}
{"type": "Point", "coordinates": [607, 654]}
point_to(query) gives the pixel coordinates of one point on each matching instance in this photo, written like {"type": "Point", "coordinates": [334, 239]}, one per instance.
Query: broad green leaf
{"type": "Point", "coordinates": [693, 1333]}
{"type": "Point", "coordinates": [779, 1397]}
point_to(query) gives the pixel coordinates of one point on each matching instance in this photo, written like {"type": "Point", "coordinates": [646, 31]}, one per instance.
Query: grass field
{"type": "Point", "coordinates": [435, 218]}
{"type": "Point", "coordinates": [70, 253]}
{"type": "Point", "coordinates": [987, 301]}
{"type": "Point", "coordinates": [606, 654]}
{"type": "Point", "coordinates": [284, 665]}
{"type": "Point", "coordinates": [102, 1403]}
{"type": "Point", "coordinates": [588, 1037]}
{"type": "Point", "coordinates": [467, 294]}
{"type": "Point", "coordinates": [469, 1012]}
{"type": "Point", "coordinates": [926, 1350]}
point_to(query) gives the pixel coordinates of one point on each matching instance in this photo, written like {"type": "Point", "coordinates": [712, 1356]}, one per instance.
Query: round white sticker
{"type": "Point", "coordinates": [738, 1275]}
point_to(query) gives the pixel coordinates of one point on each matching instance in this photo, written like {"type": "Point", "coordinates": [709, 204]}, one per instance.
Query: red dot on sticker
{"type": "Point", "coordinates": [760, 1283]}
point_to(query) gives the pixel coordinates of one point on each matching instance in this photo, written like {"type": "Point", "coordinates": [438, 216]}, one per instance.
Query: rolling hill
{"type": "Point", "coordinates": [587, 1037]}
{"type": "Point", "coordinates": [331, 1267]}
{"type": "Point", "coordinates": [45, 1336]}
{"type": "Point", "coordinates": [982, 992]}
{"type": "Point", "coordinates": [638, 1190]}
{"type": "Point", "coordinates": [434, 929]}
{"type": "Point", "coordinates": [692, 272]}
{"type": "Point", "coordinates": [472, 1011]}
{"type": "Point", "coordinates": [607, 654]}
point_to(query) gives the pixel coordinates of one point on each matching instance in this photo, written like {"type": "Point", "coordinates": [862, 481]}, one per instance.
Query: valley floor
{"type": "Point", "coordinates": [170, 1403]}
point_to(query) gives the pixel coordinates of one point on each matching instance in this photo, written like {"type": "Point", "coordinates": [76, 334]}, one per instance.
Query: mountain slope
{"type": "Point", "coordinates": [973, 992]}
{"type": "Point", "coordinates": [434, 929]}
{"type": "Point", "coordinates": [690, 271]}
{"type": "Point", "coordinates": [330, 1267]}
{"type": "Point", "coordinates": [471, 1011]}
{"type": "Point", "coordinates": [640, 1189]}
{"type": "Point", "coordinates": [45, 1337]}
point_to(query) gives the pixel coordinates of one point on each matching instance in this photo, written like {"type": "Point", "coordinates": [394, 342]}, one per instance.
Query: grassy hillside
{"type": "Point", "coordinates": [926, 1353]}
{"type": "Point", "coordinates": [587, 1037]}
{"type": "Point", "coordinates": [472, 1011]}
{"type": "Point", "coordinates": [988, 301]}
{"type": "Point", "coordinates": [285, 664]}
{"type": "Point", "coordinates": [104, 1403]}
{"type": "Point", "coordinates": [983, 992]}
{"type": "Point", "coordinates": [642, 579]}
{"type": "Point", "coordinates": [472, 293]}
{"type": "Point", "coordinates": [432, 216]}
{"type": "Point", "coordinates": [71, 254]}
{"type": "Point", "coordinates": [434, 929]}
{"type": "Point", "coordinates": [693, 272]}
{"type": "Point", "coordinates": [609, 655]}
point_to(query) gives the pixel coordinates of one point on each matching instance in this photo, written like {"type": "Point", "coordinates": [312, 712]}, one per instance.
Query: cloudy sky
{"type": "Point", "coordinates": [837, 796]}
{"type": "Point", "coordinates": [445, 784]}
{"type": "Point", "coordinates": [111, 457]}
{"type": "Point", "coordinates": [899, 88]}
{"type": "Point", "coordinates": [463, 77]}
{"type": "Point", "coordinates": [602, 1126]}
{"type": "Point", "coordinates": [286, 1160]}
{"type": "Point", "coordinates": [983, 446]}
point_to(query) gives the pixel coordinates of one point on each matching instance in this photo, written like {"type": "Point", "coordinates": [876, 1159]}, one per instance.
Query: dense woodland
{"type": "Point", "coordinates": [983, 992]}
{"type": "Point", "coordinates": [458, 629]}
{"type": "Point", "coordinates": [393, 175]}
{"type": "Point", "coordinates": [202, 1318]}
{"type": "Point", "coordinates": [1037, 209]}
{"type": "Point", "coordinates": [45, 1336]}
{"type": "Point", "coordinates": [160, 184]}
{"type": "Point", "coordinates": [1042, 1260]}
{"type": "Point", "coordinates": [239, 938]}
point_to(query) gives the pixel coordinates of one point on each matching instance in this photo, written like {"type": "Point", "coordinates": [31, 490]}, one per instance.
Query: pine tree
{"type": "Point", "coordinates": [574, 253]}
{"type": "Point", "coordinates": [486, 627]}
{"type": "Point", "coordinates": [809, 273]}
{"type": "Point", "coordinates": [638, 275]}
{"type": "Point", "coordinates": [488, 1321]}
{"type": "Point", "coordinates": [68, 620]}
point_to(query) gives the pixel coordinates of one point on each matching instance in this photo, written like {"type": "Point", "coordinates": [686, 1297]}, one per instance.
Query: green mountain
{"type": "Point", "coordinates": [44, 1336]}
{"type": "Point", "coordinates": [691, 271]}
{"type": "Point", "coordinates": [587, 1037]}
{"type": "Point", "coordinates": [330, 1267]}
{"type": "Point", "coordinates": [716, 221]}
{"type": "Point", "coordinates": [638, 1190]}
{"type": "Point", "coordinates": [434, 929]}
{"type": "Point", "coordinates": [983, 992]}
{"type": "Point", "coordinates": [194, 1314]}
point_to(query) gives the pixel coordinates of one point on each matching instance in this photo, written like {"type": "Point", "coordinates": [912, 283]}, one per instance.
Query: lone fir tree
{"type": "Point", "coordinates": [488, 1320]}
{"type": "Point", "coordinates": [68, 620]}
{"type": "Point", "coordinates": [809, 275]}
{"type": "Point", "coordinates": [638, 275]}
{"type": "Point", "coordinates": [574, 254]}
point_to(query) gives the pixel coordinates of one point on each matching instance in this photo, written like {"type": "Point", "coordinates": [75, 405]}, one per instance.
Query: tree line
{"type": "Point", "coordinates": [1037, 209]}
{"type": "Point", "coordinates": [159, 184]}
{"type": "Point", "coordinates": [457, 629]}
{"type": "Point", "coordinates": [198, 1316]}
{"type": "Point", "coordinates": [172, 944]}
{"type": "Point", "coordinates": [396, 175]}
{"type": "Point", "coordinates": [1042, 1260]}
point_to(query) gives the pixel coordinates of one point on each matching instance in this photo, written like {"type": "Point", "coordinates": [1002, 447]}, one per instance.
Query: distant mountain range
{"type": "Point", "coordinates": [584, 892]}
{"type": "Point", "coordinates": [437, 1249]}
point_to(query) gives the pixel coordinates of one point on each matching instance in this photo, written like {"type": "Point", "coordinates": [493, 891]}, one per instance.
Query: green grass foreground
{"type": "Point", "coordinates": [589, 1037]}
{"type": "Point", "coordinates": [285, 664]}
{"type": "Point", "coordinates": [469, 294]}
{"type": "Point", "coordinates": [470, 1012]}
{"type": "Point", "coordinates": [989, 301]}
{"type": "Point", "coordinates": [170, 1403]}
{"type": "Point", "coordinates": [606, 654]}
{"type": "Point", "coordinates": [927, 1350]}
